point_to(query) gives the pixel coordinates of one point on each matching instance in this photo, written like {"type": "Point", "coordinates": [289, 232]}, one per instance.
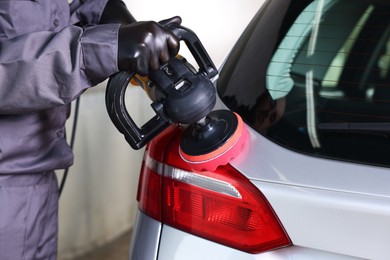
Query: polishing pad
{"type": "Point", "coordinates": [215, 142]}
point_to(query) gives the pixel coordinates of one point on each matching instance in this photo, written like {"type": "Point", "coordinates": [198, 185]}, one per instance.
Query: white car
{"type": "Point", "coordinates": [310, 78]}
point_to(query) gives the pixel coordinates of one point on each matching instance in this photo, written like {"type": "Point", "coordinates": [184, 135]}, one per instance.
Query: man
{"type": "Point", "coordinates": [50, 53]}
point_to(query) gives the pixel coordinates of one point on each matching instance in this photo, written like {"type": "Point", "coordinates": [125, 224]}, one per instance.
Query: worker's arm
{"type": "Point", "coordinates": [84, 12]}
{"type": "Point", "coordinates": [46, 69]}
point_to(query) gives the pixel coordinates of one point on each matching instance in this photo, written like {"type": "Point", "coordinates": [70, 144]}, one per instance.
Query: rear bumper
{"type": "Point", "coordinates": [152, 241]}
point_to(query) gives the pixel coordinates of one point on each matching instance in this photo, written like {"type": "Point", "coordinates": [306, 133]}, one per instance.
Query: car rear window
{"type": "Point", "coordinates": [313, 76]}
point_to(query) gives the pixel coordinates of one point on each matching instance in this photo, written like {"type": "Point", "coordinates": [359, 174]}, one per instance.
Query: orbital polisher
{"type": "Point", "coordinates": [185, 96]}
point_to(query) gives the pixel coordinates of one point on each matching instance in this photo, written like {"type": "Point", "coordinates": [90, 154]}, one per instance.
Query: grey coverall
{"type": "Point", "coordinates": [50, 52]}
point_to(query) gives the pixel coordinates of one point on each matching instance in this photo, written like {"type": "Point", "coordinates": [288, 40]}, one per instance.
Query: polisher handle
{"type": "Point", "coordinates": [196, 48]}
{"type": "Point", "coordinates": [116, 108]}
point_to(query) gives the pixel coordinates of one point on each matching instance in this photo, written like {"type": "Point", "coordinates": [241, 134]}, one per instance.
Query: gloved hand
{"type": "Point", "coordinates": [144, 46]}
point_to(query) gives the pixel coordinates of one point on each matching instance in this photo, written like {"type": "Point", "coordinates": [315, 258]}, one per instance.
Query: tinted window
{"type": "Point", "coordinates": [314, 76]}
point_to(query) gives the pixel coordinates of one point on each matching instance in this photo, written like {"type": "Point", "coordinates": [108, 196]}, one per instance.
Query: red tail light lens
{"type": "Point", "coordinates": [222, 206]}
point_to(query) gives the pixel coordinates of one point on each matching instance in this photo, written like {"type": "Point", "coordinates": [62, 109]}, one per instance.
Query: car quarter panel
{"type": "Point", "coordinates": [178, 245]}
{"type": "Point", "coordinates": [323, 204]}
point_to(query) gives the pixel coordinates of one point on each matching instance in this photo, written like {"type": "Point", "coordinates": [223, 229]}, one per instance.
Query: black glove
{"type": "Point", "coordinates": [144, 46]}
{"type": "Point", "coordinates": [116, 12]}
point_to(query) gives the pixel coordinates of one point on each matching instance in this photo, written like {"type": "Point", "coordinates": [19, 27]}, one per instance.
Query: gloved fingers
{"type": "Point", "coordinates": [172, 41]}
{"type": "Point", "coordinates": [154, 61]}
{"type": "Point", "coordinates": [146, 45]}
{"type": "Point", "coordinates": [165, 54]}
{"type": "Point", "coordinates": [142, 66]}
{"type": "Point", "coordinates": [161, 53]}
{"type": "Point", "coordinates": [159, 57]}
{"type": "Point", "coordinates": [174, 20]}
{"type": "Point", "coordinates": [173, 45]}
{"type": "Point", "coordinates": [166, 46]}
{"type": "Point", "coordinates": [139, 62]}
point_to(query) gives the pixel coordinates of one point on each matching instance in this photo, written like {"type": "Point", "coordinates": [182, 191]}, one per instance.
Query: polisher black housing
{"type": "Point", "coordinates": [200, 139]}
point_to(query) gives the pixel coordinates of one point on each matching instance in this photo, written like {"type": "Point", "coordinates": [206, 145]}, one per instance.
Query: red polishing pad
{"type": "Point", "coordinates": [216, 143]}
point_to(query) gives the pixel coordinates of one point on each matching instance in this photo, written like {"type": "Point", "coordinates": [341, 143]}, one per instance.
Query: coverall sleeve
{"type": "Point", "coordinates": [45, 69]}
{"type": "Point", "coordinates": [86, 11]}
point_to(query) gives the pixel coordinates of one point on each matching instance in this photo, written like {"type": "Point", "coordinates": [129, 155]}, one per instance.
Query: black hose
{"type": "Point", "coordinates": [72, 139]}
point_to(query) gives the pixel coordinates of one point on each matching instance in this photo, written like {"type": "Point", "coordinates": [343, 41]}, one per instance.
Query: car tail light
{"type": "Point", "coordinates": [222, 206]}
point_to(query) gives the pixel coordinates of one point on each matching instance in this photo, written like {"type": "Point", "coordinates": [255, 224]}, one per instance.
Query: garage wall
{"type": "Point", "coordinates": [98, 202]}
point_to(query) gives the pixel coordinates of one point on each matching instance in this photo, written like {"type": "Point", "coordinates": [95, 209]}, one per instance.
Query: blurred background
{"type": "Point", "coordinates": [98, 203]}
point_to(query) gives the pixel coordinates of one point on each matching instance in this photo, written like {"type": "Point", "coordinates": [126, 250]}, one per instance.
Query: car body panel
{"type": "Point", "coordinates": [288, 167]}
{"type": "Point", "coordinates": [145, 238]}
{"type": "Point", "coordinates": [323, 203]}
{"type": "Point", "coordinates": [178, 245]}
{"type": "Point", "coordinates": [340, 222]}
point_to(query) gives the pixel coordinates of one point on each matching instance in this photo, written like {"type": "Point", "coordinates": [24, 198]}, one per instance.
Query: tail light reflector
{"type": "Point", "coordinates": [222, 206]}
